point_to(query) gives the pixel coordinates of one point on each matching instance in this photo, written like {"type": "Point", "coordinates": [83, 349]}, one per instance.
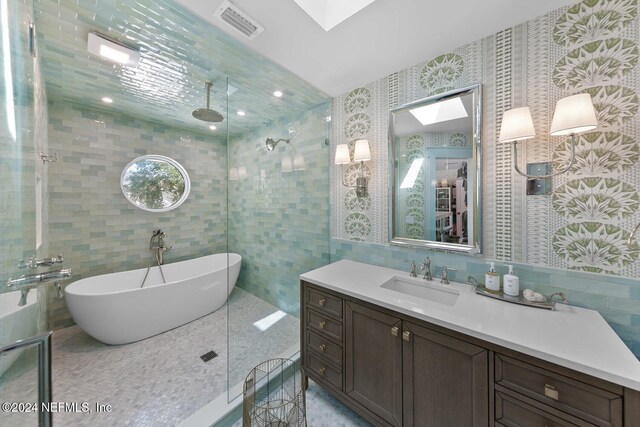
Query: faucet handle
{"type": "Point", "coordinates": [412, 273]}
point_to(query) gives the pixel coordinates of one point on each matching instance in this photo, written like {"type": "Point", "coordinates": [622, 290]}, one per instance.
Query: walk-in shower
{"type": "Point", "coordinates": [275, 217]}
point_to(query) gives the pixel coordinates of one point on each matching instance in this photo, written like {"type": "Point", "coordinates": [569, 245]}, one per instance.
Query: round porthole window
{"type": "Point", "coordinates": [155, 183]}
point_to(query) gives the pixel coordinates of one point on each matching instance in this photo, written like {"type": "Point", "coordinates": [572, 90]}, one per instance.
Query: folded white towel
{"type": "Point", "coordinates": [530, 295]}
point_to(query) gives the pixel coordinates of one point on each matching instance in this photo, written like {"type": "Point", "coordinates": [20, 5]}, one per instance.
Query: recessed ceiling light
{"type": "Point", "coordinates": [212, 127]}
{"type": "Point", "coordinates": [241, 113]}
{"type": "Point", "coordinates": [107, 100]}
{"type": "Point", "coordinates": [278, 94]}
{"type": "Point", "coordinates": [113, 51]}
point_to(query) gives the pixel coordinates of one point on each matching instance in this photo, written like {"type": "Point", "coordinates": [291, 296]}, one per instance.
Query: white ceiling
{"type": "Point", "coordinates": [384, 37]}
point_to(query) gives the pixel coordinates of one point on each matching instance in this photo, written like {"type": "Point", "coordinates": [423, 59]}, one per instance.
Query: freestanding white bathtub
{"type": "Point", "coordinates": [114, 309]}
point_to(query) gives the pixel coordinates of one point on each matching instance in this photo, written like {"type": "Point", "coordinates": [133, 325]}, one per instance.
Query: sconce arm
{"type": "Point", "coordinates": [573, 158]}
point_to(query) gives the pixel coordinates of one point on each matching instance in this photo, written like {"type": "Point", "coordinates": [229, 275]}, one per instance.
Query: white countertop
{"type": "Point", "coordinates": [573, 337]}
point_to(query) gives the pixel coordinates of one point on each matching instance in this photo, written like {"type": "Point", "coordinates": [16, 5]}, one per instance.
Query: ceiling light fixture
{"type": "Point", "coordinates": [107, 100]}
{"type": "Point", "coordinates": [241, 113]}
{"type": "Point", "coordinates": [112, 50]}
{"type": "Point", "coordinates": [212, 127]}
{"type": "Point", "coordinates": [278, 94]}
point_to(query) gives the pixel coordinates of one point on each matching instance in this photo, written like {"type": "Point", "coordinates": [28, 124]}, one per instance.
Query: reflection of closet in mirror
{"type": "Point", "coordinates": [436, 156]}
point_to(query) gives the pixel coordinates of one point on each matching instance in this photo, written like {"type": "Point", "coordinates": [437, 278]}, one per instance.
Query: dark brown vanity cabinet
{"type": "Point", "coordinates": [373, 361]}
{"type": "Point", "coordinates": [446, 380]}
{"type": "Point", "coordinates": [395, 370]}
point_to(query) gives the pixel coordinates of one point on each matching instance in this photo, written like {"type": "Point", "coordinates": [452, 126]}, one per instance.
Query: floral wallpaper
{"type": "Point", "coordinates": [584, 224]}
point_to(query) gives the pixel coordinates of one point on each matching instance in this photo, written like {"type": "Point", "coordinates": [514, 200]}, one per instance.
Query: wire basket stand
{"type": "Point", "coordinates": [274, 395]}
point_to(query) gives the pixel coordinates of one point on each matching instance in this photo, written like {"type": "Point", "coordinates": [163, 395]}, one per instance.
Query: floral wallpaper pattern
{"type": "Point", "coordinates": [590, 47]}
{"type": "Point", "coordinates": [600, 58]}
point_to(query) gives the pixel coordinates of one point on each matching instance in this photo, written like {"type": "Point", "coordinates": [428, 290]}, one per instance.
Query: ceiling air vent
{"type": "Point", "coordinates": [239, 20]}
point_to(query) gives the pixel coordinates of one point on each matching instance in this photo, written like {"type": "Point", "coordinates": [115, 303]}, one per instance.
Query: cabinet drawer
{"type": "Point", "coordinates": [585, 401]}
{"type": "Point", "coordinates": [324, 325]}
{"type": "Point", "coordinates": [511, 412]}
{"type": "Point", "coordinates": [324, 302]}
{"type": "Point", "coordinates": [327, 348]}
{"type": "Point", "coordinates": [325, 371]}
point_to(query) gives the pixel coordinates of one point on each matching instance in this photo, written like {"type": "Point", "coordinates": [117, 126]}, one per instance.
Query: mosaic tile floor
{"type": "Point", "coordinates": [161, 380]}
{"type": "Point", "coordinates": [323, 410]}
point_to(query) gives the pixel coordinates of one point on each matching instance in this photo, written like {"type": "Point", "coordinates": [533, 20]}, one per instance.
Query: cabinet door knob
{"type": "Point", "coordinates": [322, 324]}
{"type": "Point", "coordinates": [406, 335]}
{"type": "Point", "coordinates": [551, 392]}
{"type": "Point", "coordinates": [322, 302]}
{"type": "Point", "coordinates": [321, 371]}
{"type": "Point", "coordinates": [322, 347]}
{"type": "Point", "coordinates": [394, 331]}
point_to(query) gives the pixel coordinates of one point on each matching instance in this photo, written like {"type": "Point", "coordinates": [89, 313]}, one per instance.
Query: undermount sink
{"type": "Point", "coordinates": [424, 290]}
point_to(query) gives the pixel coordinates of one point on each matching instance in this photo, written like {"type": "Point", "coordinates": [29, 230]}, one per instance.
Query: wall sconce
{"type": "Point", "coordinates": [573, 115]}
{"type": "Point", "coordinates": [361, 153]}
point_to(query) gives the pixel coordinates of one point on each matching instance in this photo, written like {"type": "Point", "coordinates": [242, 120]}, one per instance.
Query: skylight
{"type": "Point", "coordinates": [329, 13]}
{"type": "Point", "coordinates": [442, 111]}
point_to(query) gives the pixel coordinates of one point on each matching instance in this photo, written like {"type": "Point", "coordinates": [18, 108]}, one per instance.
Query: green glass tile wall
{"type": "Point", "coordinates": [91, 222]}
{"type": "Point", "coordinates": [279, 210]}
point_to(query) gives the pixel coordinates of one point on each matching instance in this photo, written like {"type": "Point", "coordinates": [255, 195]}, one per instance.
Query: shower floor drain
{"type": "Point", "coordinates": [208, 356]}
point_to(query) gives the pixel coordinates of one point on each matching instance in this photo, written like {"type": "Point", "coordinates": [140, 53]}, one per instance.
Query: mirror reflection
{"type": "Point", "coordinates": [155, 183]}
{"type": "Point", "coordinates": [435, 152]}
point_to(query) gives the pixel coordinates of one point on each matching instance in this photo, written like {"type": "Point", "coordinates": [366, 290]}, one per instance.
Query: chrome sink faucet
{"type": "Point", "coordinates": [445, 274]}
{"type": "Point", "coordinates": [426, 267]}
{"type": "Point", "coordinates": [412, 273]}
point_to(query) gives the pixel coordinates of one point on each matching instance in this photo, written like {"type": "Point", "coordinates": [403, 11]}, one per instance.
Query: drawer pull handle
{"type": "Point", "coordinates": [322, 347]}
{"type": "Point", "coordinates": [322, 302]}
{"type": "Point", "coordinates": [551, 392]}
{"type": "Point", "coordinates": [394, 331]}
{"type": "Point", "coordinates": [321, 371]}
{"type": "Point", "coordinates": [322, 324]}
{"type": "Point", "coordinates": [406, 335]}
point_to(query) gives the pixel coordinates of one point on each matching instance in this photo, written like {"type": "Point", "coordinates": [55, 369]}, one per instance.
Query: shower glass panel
{"type": "Point", "coordinates": [278, 219]}
{"type": "Point", "coordinates": [21, 192]}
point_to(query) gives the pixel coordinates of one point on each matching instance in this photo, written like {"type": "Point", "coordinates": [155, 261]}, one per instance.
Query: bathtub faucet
{"type": "Point", "coordinates": [159, 236]}
{"type": "Point", "coordinates": [31, 280]}
{"type": "Point", "coordinates": [26, 283]}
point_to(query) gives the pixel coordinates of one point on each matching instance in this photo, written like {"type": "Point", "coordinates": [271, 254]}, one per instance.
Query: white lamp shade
{"type": "Point", "coordinates": [285, 165]}
{"type": "Point", "coordinates": [342, 155]}
{"type": "Point", "coordinates": [516, 125]}
{"type": "Point", "coordinates": [298, 162]}
{"type": "Point", "coordinates": [574, 114]}
{"type": "Point", "coordinates": [361, 152]}
{"type": "Point", "coordinates": [233, 174]}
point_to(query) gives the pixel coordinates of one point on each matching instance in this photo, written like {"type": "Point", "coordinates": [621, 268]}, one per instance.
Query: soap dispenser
{"type": "Point", "coordinates": [492, 279]}
{"type": "Point", "coordinates": [511, 283]}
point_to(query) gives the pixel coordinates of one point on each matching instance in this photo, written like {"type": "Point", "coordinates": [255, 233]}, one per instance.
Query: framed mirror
{"type": "Point", "coordinates": [436, 172]}
{"type": "Point", "coordinates": [155, 183]}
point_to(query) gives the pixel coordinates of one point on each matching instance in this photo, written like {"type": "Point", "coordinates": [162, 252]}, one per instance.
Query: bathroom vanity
{"type": "Point", "coordinates": [401, 351]}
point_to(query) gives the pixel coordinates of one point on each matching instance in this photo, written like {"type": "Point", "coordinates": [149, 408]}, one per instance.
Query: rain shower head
{"type": "Point", "coordinates": [271, 144]}
{"type": "Point", "coordinates": [207, 114]}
